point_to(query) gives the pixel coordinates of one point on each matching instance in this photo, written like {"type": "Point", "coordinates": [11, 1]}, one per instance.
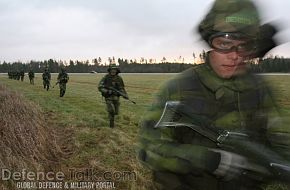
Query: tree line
{"type": "Point", "coordinates": [269, 64]}
{"type": "Point", "coordinates": [272, 65]}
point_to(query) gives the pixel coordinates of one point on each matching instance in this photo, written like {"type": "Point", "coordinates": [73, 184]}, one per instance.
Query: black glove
{"type": "Point", "coordinates": [109, 92]}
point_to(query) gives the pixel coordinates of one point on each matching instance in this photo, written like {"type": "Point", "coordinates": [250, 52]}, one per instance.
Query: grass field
{"type": "Point", "coordinates": [83, 111]}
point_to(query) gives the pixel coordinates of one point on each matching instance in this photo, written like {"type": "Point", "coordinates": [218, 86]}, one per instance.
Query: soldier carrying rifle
{"type": "Point", "coordinates": [31, 76]}
{"type": "Point", "coordinates": [22, 74]}
{"type": "Point", "coordinates": [112, 87]}
{"type": "Point", "coordinates": [62, 79]}
{"type": "Point", "coordinates": [46, 77]}
{"type": "Point", "coordinates": [215, 126]}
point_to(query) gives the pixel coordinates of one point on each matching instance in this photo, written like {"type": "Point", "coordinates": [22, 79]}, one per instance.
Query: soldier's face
{"type": "Point", "coordinates": [113, 71]}
{"type": "Point", "coordinates": [228, 64]}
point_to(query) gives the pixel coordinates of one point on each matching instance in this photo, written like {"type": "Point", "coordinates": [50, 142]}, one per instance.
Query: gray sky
{"type": "Point", "coordinates": [86, 29]}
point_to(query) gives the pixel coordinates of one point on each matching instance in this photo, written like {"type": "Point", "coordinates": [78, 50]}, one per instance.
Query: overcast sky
{"type": "Point", "coordinates": [86, 29]}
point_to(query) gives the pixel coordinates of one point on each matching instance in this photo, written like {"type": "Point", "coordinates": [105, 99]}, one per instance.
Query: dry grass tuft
{"type": "Point", "coordinates": [26, 142]}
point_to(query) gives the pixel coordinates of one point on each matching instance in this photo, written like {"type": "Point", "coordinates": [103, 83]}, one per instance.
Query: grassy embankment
{"type": "Point", "coordinates": [83, 110]}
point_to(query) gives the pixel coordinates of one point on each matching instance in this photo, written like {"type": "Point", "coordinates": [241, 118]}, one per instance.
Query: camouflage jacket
{"type": "Point", "coordinates": [235, 104]}
{"type": "Point", "coordinates": [115, 82]}
{"type": "Point", "coordinates": [31, 74]}
{"type": "Point", "coordinates": [22, 73]}
{"type": "Point", "coordinates": [46, 76]}
{"type": "Point", "coordinates": [62, 77]}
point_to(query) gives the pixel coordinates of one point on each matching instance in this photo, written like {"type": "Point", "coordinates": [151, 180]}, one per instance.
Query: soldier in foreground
{"type": "Point", "coordinates": [112, 87]}
{"type": "Point", "coordinates": [46, 76]}
{"type": "Point", "coordinates": [31, 76]}
{"type": "Point", "coordinates": [62, 79]}
{"type": "Point", "coordinates": [214, 126]}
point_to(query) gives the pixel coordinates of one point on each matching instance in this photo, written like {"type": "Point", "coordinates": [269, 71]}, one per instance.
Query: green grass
{"type": "Point", "coordinates": [83, 110]}
{"type": "Point", "coordinates": [281, 91]}
{"type": "Point", "coordinates": [83, 104]}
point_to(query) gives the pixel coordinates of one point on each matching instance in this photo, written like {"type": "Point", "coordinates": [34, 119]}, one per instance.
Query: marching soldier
{"type": "Point", "coordinates": [31, 76]}
{"type": "Point", "coordinates": [18, 75]}
{"type": "Point", "coordinates": [22, 73]}
{"type": "Point", "coordinates": [112, 87]}
{"type": "Point", "coordinates": [46, 76]}
{"type": "Point", "coordinates": [62, 79]}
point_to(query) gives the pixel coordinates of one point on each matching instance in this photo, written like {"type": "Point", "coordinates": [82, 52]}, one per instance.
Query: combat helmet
{"type": "Point", "coordinates": [62, 69]}
{"type": "Point", "coordinates": [231, 16]}
{"type": "Point", "coordinates": [114, 66]}
{"type": "Point", "coordinates": [239, 19]}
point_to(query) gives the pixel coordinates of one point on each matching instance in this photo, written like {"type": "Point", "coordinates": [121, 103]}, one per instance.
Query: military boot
{"type": "Point", "coordinates": [112, 124]}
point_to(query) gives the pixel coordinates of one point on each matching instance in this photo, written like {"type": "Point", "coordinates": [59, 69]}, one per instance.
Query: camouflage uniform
{"type": "Point", "coordinates": [31, 77]}
{"type": "Point", "coordinates": [22, 75]}
{"type": "Point", "coordinates": [62, 79]}
{"type": "Point", "coordinates": [46, 76]}
{"type": "Point", "coordinates": [9, 74]}
{"type": "Point", "coordinates": [180, 158]}
{"type": "Point", "coordinates": [17, 75]}
{"type": "Point", "coordinates": [112, 98]}
{"type": "Point", "coordinates": [14, 75]}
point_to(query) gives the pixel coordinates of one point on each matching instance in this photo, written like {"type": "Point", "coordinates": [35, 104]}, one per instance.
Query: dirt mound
{"type": "Point", "coordinates": [26, 142]}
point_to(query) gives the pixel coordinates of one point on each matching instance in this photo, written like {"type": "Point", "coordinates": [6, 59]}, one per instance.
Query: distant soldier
{"type": "Point", "coordinates": [62, 79]}
{"type": "Point", "coordinates": [46, 76]}
{"type": "Point", "coordinates": [9, 74]}
{"type": "Point", "coordinates": [14, 75]}
{"type": "Point", "coordinates": [112, 87]}
{"type": "Point", "coordinates": [31, 76]}
{"type": "Point", "coordinates": [17, 75]}
{"type": "Point", "coordinates": [21, 73]}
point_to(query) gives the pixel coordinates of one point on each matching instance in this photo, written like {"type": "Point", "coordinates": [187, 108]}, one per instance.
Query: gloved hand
{"type": "Point", "coordinates": [109, 92]}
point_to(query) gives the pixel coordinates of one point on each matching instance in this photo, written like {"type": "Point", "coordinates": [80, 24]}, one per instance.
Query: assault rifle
{"type": "Point", "coordinates": [120, 93]}
{"type": "Point", "coordinates": [263, 163]}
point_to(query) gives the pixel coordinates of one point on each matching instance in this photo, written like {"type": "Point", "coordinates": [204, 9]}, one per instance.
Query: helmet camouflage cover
{"type": "Point", "coordinates": [238, 16]}
{"type": "Point", "coordinates": [114, 66]}
{"type": "Point", "coordinates": [231, 16]}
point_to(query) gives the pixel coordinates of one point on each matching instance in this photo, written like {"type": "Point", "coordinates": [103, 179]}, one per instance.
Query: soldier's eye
{"type": "Point", "coordinates": [222, 44]}
{"type": "Point", "coordinates": [245, 47]}
{"type": "Point", "coordinates": [225, 45]}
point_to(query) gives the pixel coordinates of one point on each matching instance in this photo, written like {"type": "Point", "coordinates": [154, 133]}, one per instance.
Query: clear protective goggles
{"type": "Point", "coordinates": [229, 42]}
